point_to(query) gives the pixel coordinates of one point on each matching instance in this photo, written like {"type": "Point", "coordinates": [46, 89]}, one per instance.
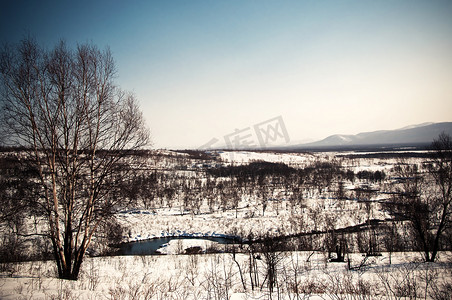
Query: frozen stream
{"type": "Point", "coordinates": [170, 245]}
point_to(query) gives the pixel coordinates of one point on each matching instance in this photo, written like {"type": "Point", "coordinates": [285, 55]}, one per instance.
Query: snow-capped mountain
{"type": "Point", "coordinates": [414, 134]}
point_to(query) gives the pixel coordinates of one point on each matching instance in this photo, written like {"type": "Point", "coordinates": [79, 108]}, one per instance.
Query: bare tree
{"type": "Point", "coordinates": [441, 170]}
{"type": "Point", "coordinates": [78, 127]}
{"type": "Point", "coordinates": [426, 197]}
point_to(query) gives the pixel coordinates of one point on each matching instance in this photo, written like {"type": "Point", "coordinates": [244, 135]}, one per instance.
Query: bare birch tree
{"type": "Point", "coordinates": [77, 126]}
{"type": "Point", "coordinates": [426, 197]}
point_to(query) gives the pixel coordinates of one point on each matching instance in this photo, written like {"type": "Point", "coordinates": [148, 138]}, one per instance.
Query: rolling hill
{"type": "Point", "coordinates": [415, 135]}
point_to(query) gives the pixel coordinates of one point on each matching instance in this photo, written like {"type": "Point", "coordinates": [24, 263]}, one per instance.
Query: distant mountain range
{"type": "Point", "coordinates": [415, 135]}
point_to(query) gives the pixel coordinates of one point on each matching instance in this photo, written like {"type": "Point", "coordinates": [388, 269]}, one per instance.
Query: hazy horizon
{"type": "Point", "coordinates": [205, 70]}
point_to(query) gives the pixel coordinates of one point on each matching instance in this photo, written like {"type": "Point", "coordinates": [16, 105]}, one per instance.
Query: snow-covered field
{"type": "Point", "coordinates": [278, 219]}
{"type": "Point", "coordinates": [300, 275]}
{"type": "Point", "coordinates": [297, 275]}
{"type": "Point", "coordinates": [143, 224]}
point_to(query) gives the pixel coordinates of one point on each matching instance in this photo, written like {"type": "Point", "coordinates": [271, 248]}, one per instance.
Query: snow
{"type": "Point", "coordinates": [169, 222]}
{"type": "Point", "coordinates": [174, 276]}
{"type": "Point", "coordinates": [217, 275]}
{"type": "Point", "coordinates": [178, 246]}
{"type": "Point", "coordinates": [245, 157]}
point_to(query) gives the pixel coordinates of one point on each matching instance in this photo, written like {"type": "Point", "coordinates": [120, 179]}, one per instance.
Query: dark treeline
{"type": "Point", "coordinates": [389, 155]}
{"type": "Point", "coordinates": [252, 170]}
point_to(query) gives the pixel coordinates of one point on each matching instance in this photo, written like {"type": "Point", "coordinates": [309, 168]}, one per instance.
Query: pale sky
{"type": "Point", "coordinates": [202, 69]}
